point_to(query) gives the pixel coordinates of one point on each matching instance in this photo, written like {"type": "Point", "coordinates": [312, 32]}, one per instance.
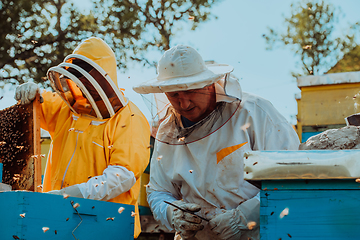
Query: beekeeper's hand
{"type": "Point", "coordinates": [72, 191]}
{"type": "Point", "coordinates": [26, 92]}
{"type": "Point", "coordinates": [184, 223]}
{"type": "Point", "coordinates": [233, 223]}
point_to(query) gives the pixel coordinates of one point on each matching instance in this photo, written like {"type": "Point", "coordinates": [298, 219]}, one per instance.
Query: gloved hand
{"type": "Point", "coordinates": [233, 223]}
{"type": "Point", "coordinates": [26, 92]}
{"type": "Point", "coordinates": [72, 191]}
{"type": "Point", "coordinates": [184, 223]}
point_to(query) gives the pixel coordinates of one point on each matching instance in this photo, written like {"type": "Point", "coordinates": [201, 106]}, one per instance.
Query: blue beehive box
{"type": "Point", "coordinates": [35, 216]}
{"type": "Point", "coordinates": [307, 194]}
{"type": "Point", "coordinates": [310, 209]}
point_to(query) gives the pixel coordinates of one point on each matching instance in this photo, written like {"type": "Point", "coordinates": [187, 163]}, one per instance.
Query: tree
{"type": "Point", "coordinates": [37, 35]}
{"type": "Point", "coordinates": [151, 24]}
{"type": "Point", "coordinates": [349, 63]}
{"type": "Point", "coordinates": [311, 34]}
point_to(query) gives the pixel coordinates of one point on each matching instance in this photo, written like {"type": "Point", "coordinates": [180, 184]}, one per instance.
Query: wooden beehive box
{"type": "Point", "coordinates": [307, 194]}
{"type": "Point", "coordinates": [325, 209]}
{"type": "Point", "coordinates": [20, 151]}
{"type": "Point", "coordinates": [326, 101]}
{"type": "Point", "coordinates": [34, 216]}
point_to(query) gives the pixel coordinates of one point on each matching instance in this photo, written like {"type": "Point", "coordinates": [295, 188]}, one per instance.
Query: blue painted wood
{"type": "Point", "coordinates": [56, 213]}
{"type": "Point", "coordinates": [310, 184]}
{"type": "Point", "coordinates": [306, 135]}
{"type": "Point", "coordinates": [313, 213]}
{"type": "Point", "coordinates": [1, 169]}
{"type": "Point", "coordinates": [144, 210]}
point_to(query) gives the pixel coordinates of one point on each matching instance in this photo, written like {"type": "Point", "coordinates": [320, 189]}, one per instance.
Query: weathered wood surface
{"type": "Point", "coordinates": [305, 164]}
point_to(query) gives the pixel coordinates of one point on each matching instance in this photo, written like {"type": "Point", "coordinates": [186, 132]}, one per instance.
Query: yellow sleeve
{"type": "Point", "coordinates": [50, 110]}
{"type": "Point", "coordinates": [131, 140]}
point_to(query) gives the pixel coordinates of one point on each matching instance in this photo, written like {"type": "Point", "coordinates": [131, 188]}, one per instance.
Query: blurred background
{"type": "Point", "coordinates": [269, 43]}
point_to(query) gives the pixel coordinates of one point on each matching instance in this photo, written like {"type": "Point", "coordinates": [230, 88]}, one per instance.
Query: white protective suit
{"type": "Point", "coordinates": [208, 168]}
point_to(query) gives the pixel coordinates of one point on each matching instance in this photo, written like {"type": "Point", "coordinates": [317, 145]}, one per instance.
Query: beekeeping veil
{"type": "Point", "coordinates": [87, 80]}
{"type": "Point", "coordinates": [182, 69]}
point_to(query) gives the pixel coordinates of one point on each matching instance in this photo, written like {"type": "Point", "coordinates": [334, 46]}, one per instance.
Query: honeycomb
{"type": "Point", "coordinates": [18, 144]}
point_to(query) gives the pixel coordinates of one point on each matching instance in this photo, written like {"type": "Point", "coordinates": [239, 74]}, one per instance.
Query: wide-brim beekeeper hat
{"type": "Point", "coordinates": [182, 68]}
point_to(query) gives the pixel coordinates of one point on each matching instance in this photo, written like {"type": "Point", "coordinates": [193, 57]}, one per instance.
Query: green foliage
{"type": "Point", "coordinates": [38, 34]}
{"type": "Point", "coordinates": [349, 63]}
{"type": "Point", "coordinates": [310, 32]}
{"type": "Point", "coordinates": [151, 24]}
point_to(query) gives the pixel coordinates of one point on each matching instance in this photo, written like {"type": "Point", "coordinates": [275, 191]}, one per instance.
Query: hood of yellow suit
{"type": "Point", "coordinates": [87, 80]}
{"type": "Point", "coordinates": [98, 51]}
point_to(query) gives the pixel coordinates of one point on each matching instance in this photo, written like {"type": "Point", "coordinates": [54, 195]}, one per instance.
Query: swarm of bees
{"type": "Point", "coordinates": [14, 144]}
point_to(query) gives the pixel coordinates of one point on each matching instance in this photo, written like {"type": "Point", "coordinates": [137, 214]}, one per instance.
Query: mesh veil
{"type": "Point", "coordinates": [167, 124]}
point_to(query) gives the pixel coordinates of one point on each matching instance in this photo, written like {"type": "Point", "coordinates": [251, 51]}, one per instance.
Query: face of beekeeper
{"type": "Point", "coordinates": [194, 104]}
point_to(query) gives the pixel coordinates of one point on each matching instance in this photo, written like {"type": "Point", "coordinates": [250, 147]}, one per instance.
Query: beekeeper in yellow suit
{"type": "Point", "coordinates": [99, 138]}
{"type": "Point", "coordinates": [197, 163]}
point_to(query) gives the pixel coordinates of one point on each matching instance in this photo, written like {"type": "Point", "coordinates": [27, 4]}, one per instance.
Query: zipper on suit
{"type": "Point", "coordinates": [77, 137]}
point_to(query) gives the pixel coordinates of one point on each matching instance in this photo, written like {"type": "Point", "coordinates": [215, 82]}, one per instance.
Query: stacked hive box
{"type": "Point", "coordinates": [325, 101]}
{"type": "Point", "coordinates": [307, 194]}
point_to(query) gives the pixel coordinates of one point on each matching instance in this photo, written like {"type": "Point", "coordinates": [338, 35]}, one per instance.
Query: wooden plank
{"type": "Point", "coordinates": [312, 214]}
{"type": "Point", "coordinates": [326, 105]}
{"type": "Point", "coordinates": [20, 151]}
{"type": "Point", "coordinates": [144, 180]}
{"type": "Point", "coordinates": [321, 128]}
{"type": "Point", "coordinates": [37, 144]}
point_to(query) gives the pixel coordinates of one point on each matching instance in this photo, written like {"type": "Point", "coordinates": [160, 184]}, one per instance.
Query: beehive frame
{"type": "Point", "coordinates": [20, 150]}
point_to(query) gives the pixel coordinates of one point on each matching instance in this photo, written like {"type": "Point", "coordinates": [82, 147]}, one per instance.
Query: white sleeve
{"type": "Point", "coordinates": [257, 196]}
{"type": "Point", "coordinates": [160, 188]}
{"type": "Point", "coordinates": [158, 206]}
{"type": "Point", "coordinates": [114, 181]}
{"type": "Point", "coordinates": [281, 137]}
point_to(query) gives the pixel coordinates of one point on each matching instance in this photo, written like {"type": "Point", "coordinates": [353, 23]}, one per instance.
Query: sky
{"type": "Point", "coordinates": [235, 38]}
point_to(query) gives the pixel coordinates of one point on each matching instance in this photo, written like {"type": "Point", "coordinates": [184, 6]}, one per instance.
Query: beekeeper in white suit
{"type": "Point", "coordinates": [197, 163]}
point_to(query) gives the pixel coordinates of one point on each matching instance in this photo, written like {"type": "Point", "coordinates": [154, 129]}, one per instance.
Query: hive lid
{"type": "Point", "coordinates": [311, 164]}
{"type": "Point", "coordinates": [328, 79]}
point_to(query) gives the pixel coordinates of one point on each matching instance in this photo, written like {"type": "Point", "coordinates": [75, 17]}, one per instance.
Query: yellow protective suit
{"type": "Point", "coordinates": [92, 144]}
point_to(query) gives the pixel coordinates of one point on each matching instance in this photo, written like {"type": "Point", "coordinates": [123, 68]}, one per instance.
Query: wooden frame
{"type": "Point", "coordinates": [20, 149]}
